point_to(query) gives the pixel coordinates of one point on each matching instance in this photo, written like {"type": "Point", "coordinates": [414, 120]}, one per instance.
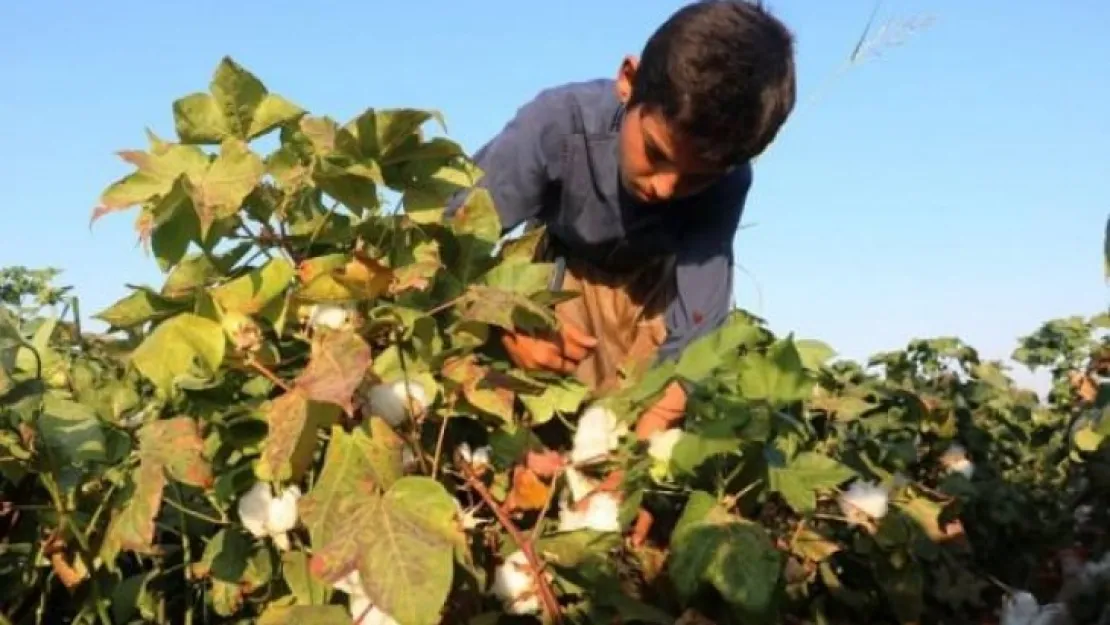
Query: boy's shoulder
{"type": "Point", "coordinates": [587, 107]}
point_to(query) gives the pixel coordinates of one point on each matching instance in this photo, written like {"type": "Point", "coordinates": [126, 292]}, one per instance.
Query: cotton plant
{"type": "Point", "coordinates": [478, 459]}
{"type": "Point", "coordinates": [267, 516]}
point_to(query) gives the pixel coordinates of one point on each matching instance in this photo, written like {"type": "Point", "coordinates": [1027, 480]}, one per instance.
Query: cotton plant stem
{"type": "Point", "coordinates": [547, 595]}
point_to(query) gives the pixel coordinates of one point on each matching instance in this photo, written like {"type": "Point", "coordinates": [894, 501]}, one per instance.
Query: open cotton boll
{"type": "Point", "coordinates": [864, 502]}
{"type": "Point", "coordinates": [515, 585]}
{"type": "Point", "coordinates": [661, 444]}
{"type": "Point", "coordinates": [579, 483]}
{"type": "Point", "coordinates": [330, 316]}
{"type": "Point", "coordinates": [264, 515]}
{"type": "Point", "coordinates": [602, 514]}
{"type": "Point", "coordinates": [955, 460]}
{"type": "Point", "coordinates": [392, 402]}
{"type": "Point", "coordinates": [359, 604]}
{"type": "Point", "coordinates": [476, 458]}
{"type": "Point", "coordinates": [1020, 608]}
{"type": "Point", "coordinates": [599, 432]}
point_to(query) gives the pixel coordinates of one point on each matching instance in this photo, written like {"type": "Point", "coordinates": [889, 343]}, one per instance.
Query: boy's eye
{"type": "Point", "coordinates": [653, 153]}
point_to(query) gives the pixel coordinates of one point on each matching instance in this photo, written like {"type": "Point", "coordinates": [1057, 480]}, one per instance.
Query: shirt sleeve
{"type": "Point", "coordinates": [704, 272]}
{"type": "Point", "coordinates": [523, 160]}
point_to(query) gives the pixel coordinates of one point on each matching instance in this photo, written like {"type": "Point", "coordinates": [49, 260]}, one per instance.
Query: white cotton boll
{"type": "Point", "coordinates": [254, 509]}
{"type": "Point", "coordinates": [477, 458]}
{"type": "Point", "coordinates": [377, 617]}
{"type": "Point", "coordinates": [661, 444]}
{"type": "Point", "coordinates": [515, 586]}
{"type": "Point", "coordinates": [330, 316]}
{"type": "Point", "coordinates": [1020, 609]}
{"type": "Point", "coordinates": [350, 584]}
{"type": "Point", "coordinates": [598, 433]}
{"type": "Point", "coordinates": [963, 466]}
{"type": "Point", "coordinates": [283, 511]}
{"type": "Point", "coordinates": [393, 401]}
{"type": "Point", "coordinates": [869, 499]}
{"type": "Point", "coordinates": [955, 460]}
{"type": "Point", "coordinates": [602, 514]}
{"type": "Point", "coordinates": [579, 483]}
{"type": "Point", "coordinates": [263, 515]}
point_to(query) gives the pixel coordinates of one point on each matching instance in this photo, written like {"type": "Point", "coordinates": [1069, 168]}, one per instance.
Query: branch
{"type": "Point", "coordinates": [547, 596]}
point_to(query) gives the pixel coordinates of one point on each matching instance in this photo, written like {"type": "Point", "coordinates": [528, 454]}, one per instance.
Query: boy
{"type": "Point", "coordinates": [640, 182]}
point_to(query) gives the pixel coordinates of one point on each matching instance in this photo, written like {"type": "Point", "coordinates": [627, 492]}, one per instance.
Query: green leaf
{"type": "Point", "coordinates": [735, 557]}
{"type": "Point", "coordinates": [301, 615]}
{"type": "Point", "coordinates": [711, 351]}
{"type": "Point", "coordinates": [477, 228]}
{"type": "Point", "coordinates": [352, 459]}
{"type": "Point", "coordinates": [198, 270]}
{"type": "Point", "coordinates": [71, 431]}
{"type": "Point", "coordinates": [813, 353]}
{"type": "Point", "coordinates": [239, 106]}
{"type": "Point", "coordinates": [805, 474]}
{"type": "Point", "coordinates": [219, 192]}
{"type": "Point", "coordinates": [777, 377]}
{"type": "Point", "coordinates": [504, 309]}
{"type": "Point", "coordinates": [563, 396]}
{"type": "Point", "coordinates": [1087, 439]}
{"type": "Point", "coordinates": [177, 347]}
{"type": "Point", "coordinates": [140, 307]}
{"type": "Point", "coordinates": [226, 554]}
{"type": "Point", "coordinates": [519, 277]}
{"type": "Point", "coordinates": [155, 174]}
{"type": "Point", "coordinates": [694, 448]}
{"type": "Point", "coordinates": [403, 547]}
{"type": "Point", "coordinates": [307, 589]}
{"type": "Point", "coordinates": [251, 293]}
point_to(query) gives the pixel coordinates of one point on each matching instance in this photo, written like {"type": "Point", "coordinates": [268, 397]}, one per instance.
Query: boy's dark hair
{"type": "Point", "coordinates": [722, 73]}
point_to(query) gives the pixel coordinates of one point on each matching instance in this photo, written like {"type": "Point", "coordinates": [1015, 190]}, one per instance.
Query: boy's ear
{"type": "Point", "coordinates": [625, 76]}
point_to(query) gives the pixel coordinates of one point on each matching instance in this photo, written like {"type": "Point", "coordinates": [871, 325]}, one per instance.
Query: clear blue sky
{"type": "Point", "coordinates": [958, 184]}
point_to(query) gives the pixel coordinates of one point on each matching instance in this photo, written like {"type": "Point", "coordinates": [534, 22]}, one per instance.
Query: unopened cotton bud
{"type": "Point", "coordinates": [397, 402]}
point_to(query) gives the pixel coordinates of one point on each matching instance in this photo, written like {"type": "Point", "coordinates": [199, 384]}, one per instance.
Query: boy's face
{"type": "Point", "coordinates": [656, 164]}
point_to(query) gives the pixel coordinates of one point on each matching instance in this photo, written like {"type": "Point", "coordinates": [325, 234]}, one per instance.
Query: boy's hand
{"type": "Point", "coordinates": [560, 352]}
{"type": "Point", "coordinates": [664, 413]}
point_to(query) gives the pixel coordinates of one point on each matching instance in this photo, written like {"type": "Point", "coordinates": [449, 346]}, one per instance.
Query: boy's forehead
{"type": "Point", "coordinates": [669, 140]}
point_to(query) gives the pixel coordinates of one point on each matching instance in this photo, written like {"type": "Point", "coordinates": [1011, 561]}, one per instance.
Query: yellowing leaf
{"type": "Point", "coordinates": [291, 440]}
{"type": "Point", "coordinates": [364, 277]}
{"type": "Point", "coordinates": [177, 445]}
{"type": "Point", "coordinates": [141, 306]}
{"type": "Point", "coordinates": [336, 367]}
{"type": "Point", "coordinates": [250, 293]}
{"type": "Point", "coordinates": [219, 192]}
{"type": "Point", "coordinates": [239, 106]}
{"type": "Point", "coordinates": [132, 528]}
{"type": "Point", "coordinates": [177, 347]}
{"type": "Point", "coordinates": [155, 175]}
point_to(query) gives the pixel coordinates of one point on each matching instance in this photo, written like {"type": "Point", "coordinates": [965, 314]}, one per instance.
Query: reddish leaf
{"type": "Point", "coordinates": [338, 363]}
{"type": "Point", "coordinates": [177, 445]}
{"type": "Point", "coordinates": [133, 527]}
{"type": "Point", "coordinates": [293, 421]}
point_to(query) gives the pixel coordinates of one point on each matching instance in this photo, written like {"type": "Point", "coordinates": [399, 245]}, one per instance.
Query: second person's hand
{"type": "Point", "coordinates": [559, 351]}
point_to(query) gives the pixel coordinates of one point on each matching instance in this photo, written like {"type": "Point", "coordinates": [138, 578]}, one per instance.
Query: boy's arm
{"type": "Point", "coordinates": [522, 160]}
